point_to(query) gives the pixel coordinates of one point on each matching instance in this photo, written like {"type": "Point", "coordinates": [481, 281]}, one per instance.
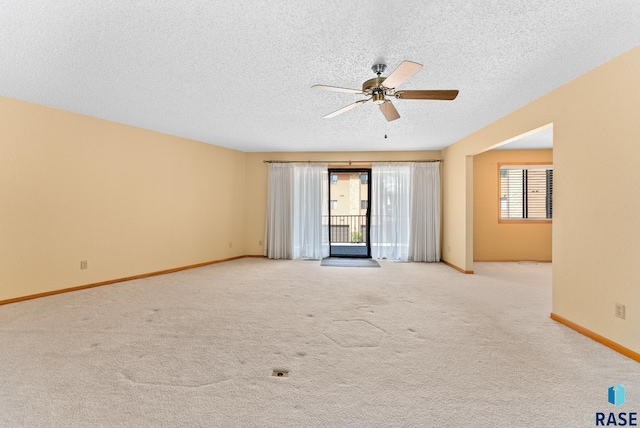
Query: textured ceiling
{"type": "Point", "coordinates": [238, 74]}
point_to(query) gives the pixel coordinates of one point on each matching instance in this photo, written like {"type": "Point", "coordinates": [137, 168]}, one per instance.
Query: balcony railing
{"type": "Point", "coordinates": [351, 229]}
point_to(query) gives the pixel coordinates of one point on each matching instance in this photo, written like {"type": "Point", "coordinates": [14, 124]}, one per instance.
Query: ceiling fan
{"type": "Point", "coordinates": [380, 87]}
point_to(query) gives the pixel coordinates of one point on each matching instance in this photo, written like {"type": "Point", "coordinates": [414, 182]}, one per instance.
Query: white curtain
{"type": "Point", "coordinates": [297, 198]}
{"type": "Point", "coordinates": [405, 211]}
{"type": "Point", "coordinates": [310, 202]}
{"type": "Point", "coordinates": [424, 242]}
{"type": "Point", "coordinates": [390, 208]}
{"type": "Point", "coordinates": [278, 242]}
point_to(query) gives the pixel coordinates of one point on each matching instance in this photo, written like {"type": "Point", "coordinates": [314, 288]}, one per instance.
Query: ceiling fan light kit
{"type": "Point", "coordinates": [379, 88]}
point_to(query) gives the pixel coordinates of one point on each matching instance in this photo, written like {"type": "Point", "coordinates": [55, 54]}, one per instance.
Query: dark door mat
{"type": "Point", "coordinates": [345, 262]}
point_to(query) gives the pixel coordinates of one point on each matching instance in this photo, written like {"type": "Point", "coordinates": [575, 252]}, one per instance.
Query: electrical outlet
{"type": "Point", "coordinates": [84, 264]}
{"type": "Point", "coordinates": [449, 248]}
{"type": "Point", "coordinates": [230, 244]}
{"type": "Point", "coordinates": [260, 243]}
{"type": "Point", "coordinates": [620, 310]}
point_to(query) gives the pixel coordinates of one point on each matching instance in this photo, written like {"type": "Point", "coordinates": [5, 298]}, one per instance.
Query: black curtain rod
{"type": "Point", "coordinates": [352, 162]}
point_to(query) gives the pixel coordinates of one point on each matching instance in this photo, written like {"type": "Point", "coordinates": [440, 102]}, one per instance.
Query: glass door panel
{"type": "Point", "coordinates": [349, 195]}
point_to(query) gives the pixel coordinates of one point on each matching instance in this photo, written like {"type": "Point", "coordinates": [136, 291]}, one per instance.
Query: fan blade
{"type": "Point", "coordinates": [337, 89]}
{"type": "Point", "coordinates": [427, 95]}
{"type": "Point", "coordinates": [388, 109]}
{"type": "Point", "coordinates": [402, 73]}
{"type": "Point", "coordinates": [343, 109]}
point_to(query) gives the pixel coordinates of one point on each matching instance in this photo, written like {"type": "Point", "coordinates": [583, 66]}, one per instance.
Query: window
{"type": "Point", "coordinates": [334, 204]}
{"type": "Point", "coordinates": [363, 204]}
{"type": "Point", "coordinates": [526, 192]}
{"type": "Point", "coordinates": [334, 178]}
{"type": "Point", "coordinates": [364, 178]}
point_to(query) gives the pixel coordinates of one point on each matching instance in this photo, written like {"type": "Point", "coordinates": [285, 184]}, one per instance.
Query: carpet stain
{"type": "Point", "coordinates": [151, 315]}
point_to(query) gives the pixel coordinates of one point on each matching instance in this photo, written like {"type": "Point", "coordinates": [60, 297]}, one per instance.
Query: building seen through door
{"type": "Point", "coordinates": [349, 195]}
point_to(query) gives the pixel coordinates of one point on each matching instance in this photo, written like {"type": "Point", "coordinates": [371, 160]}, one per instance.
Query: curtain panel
{"type": "Point", "coordinates": [424, 241]}
{"type": "Point", "coordinates": [278, 239]}
{"type": "Point", "coordinates": [390, 207]}
{"type": "Point", "coordinates": [297, 211]}
{"type": "Point", "coordinates": [310, 203]}
{"type": "Point", "coordinates": [405, 216]}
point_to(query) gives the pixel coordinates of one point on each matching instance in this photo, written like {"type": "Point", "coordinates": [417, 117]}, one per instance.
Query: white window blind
{"type": "Point", "coordinates": [526, 192]}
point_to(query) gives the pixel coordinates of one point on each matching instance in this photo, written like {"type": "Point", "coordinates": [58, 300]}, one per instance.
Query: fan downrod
{"type": "Point", "coordinates": [379, 68]}
{"type": "Point", "coordinates": [374, 86]}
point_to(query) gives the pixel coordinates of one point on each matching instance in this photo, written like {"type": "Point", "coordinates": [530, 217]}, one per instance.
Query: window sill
{"type": "Point", "coordinates": [525, 221]}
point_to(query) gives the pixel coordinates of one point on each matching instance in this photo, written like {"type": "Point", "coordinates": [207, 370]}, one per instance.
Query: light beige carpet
{"type": "Point", "coordinates": [408, 344]}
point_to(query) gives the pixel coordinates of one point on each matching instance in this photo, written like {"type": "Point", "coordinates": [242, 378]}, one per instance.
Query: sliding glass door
{"type": "Point", "coordinates": [349, 196]}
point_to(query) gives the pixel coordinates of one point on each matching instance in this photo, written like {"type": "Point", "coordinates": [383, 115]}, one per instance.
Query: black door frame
{"type": "Point", "coordinates": [367, 214]}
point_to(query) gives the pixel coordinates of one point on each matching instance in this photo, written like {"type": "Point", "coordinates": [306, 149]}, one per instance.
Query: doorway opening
{"type": "Point", "coordinates": [349, 213]}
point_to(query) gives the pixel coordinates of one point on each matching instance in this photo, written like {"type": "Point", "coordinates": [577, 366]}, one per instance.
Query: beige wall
{"type": "Point", "coordinates": [257, 182]}
{"type": "Point", "coordinates": [596, 227]}
{"type": "Point", "coordinates": [127, 200]}
{"type": "Point", "coordinates": [505, 241]}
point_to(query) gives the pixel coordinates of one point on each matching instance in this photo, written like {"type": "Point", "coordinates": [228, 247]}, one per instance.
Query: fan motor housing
{"type": "Point", "coordinates": [374, 83]}
{"type": "Point", "coordinates": [374, 88]}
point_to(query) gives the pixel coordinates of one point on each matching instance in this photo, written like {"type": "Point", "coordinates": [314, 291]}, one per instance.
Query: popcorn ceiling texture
{"type": "Point", "coordinates": [238, 74]}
